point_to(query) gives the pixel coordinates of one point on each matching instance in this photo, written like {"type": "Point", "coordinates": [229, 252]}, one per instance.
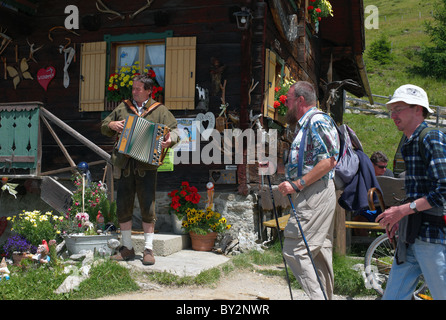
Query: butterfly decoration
{"type": "Point", "coordinates": [19, 73]}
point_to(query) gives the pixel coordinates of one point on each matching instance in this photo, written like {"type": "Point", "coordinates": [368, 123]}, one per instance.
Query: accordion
{"type": "Point", "coordinates": [141, 140]}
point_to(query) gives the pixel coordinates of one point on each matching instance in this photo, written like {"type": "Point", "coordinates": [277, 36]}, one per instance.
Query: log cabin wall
{"type": "Point", "coordinates": [217, 36]}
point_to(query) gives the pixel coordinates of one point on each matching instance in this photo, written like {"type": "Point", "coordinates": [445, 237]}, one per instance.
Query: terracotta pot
{"type": "Point", "coordinates": [203, 242]}
{"type": "Point", "coordinates": [17, 257]}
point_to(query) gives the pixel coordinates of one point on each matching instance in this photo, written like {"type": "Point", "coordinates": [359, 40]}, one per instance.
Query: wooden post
{"type": "Point", "coordinates": [339, 241]}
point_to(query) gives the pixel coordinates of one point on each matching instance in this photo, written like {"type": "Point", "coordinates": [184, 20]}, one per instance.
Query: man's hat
{"type": "Point", "coordinates": [411, 94]}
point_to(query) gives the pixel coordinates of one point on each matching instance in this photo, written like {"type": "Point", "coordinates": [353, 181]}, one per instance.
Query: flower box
{"type": "Point", "coordinates": [77, 242]}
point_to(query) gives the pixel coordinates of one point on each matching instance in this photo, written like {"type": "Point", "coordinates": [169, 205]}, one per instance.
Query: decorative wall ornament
{"type": "Point", "coordinates": [106, 9]}
{"type": "Point", "coordinates": [210, 119]}
{"type": "Point", "coordinates": [44, 76]}
{"type": "Point", "coordinates": [4, 40]}
{"type": "Point", "coordinates": [19, 73]}
{"type": "Point", "coordinates": [149, 2]}
{"type": "Point", "coordinates": [32, 51]}
{"type": "Point", "coordinates": [68, 54]}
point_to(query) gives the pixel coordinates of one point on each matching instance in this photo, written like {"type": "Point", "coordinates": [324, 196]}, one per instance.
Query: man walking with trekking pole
{"type": "Point", "coordinates": [315, 200]}
{"type": "Point", "coordinates": [421, 224]}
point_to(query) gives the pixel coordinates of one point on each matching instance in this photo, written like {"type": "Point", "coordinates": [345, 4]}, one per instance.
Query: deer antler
{"type": "Point", "coordinates": [149, 2]}
{"type": "Point", "coordinates": [106, 9]}
{"type": "Point", "coordinates": [32, 50]}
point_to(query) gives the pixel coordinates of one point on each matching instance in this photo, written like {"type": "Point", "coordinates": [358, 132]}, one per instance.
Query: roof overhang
{"type": "Point", "coordinates": [343, 44]}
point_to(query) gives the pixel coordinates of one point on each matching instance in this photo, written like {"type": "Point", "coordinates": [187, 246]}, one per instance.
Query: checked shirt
{"type": "Point", "coordinates": [427, 181]}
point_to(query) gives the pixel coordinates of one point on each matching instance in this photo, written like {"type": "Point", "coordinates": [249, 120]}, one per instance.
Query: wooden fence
{"type": "Point", "coordinates": [440, 112]}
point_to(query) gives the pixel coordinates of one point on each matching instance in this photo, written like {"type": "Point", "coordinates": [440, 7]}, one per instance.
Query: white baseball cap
{"type": "Point", "coordinates": [411, 94]}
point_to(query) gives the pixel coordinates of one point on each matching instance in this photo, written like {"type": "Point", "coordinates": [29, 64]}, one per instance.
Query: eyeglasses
{"type": "Point", "coordinates": [381, 167]}
{"type": "Point", "coordinates": [398, 111]}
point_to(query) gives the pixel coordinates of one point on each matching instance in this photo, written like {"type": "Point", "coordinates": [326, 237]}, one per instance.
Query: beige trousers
{"type": "Point", "coordinates": [315, 207]}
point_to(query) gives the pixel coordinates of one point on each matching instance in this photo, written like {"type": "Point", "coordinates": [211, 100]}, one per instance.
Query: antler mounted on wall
{"type": "Point", "coordinates": [149, 2]}
{"type": "Point", "coordinates": [106, 9]}
{"type": "Point", "coordinates": [5, 40]}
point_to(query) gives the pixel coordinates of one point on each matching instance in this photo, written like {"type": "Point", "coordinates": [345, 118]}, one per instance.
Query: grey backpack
{"type": "Point", "coordinates": [348, 162]}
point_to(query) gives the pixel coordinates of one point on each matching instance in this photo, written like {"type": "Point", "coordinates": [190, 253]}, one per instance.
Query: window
{"type": "Point", "coordinates": [151, 55]}
{"type": "Point", "coordinates": [173, 59]}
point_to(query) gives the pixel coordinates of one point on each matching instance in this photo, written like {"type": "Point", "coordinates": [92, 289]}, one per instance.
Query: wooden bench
{"type": "Point", "coordinates": [348, 224]}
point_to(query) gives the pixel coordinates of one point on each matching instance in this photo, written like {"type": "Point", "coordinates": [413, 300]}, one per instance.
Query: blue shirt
{"type": "Point", "coordinates": [427, 181]}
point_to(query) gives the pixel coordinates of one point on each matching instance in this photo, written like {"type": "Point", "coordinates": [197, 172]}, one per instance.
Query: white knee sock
{"type": "Point", "coordinates": [148, 237]}
{"type": "Point", "coordinates": [127, 239]}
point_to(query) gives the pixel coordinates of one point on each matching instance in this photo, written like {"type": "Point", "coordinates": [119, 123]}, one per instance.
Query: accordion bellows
{"type": "Point", "coordinates": [142, 139]}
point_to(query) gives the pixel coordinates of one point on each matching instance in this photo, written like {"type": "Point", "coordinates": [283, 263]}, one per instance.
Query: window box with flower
{"type": "Point", "coordinates": [280, 95]}
{"type": "Point", "coordinates": [319, 9]}
{"type": "Point", "coordinates": [120, 83]}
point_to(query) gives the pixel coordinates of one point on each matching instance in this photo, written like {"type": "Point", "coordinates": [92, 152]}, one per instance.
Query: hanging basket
{"type": "Point", "coordinates": [203, 242]}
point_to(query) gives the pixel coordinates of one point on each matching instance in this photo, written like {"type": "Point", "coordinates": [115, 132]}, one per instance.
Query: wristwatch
{"type": "Point", "coordinates": [302, 182]}
{"type": "Point", "coordinates": [413, 206]}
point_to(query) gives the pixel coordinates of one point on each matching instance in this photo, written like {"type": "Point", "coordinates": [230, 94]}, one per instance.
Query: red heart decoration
{"type": "Point", "coordinates": [44, 76]}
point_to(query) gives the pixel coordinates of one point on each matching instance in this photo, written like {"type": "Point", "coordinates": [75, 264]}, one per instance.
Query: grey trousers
{"type": "Point", "coordinates": [315, 207]}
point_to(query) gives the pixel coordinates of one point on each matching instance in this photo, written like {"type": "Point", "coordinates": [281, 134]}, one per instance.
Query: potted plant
{"type": "Point", "coordinates": [203, 227]}
{"type": "Point", "coordinates": [182, 199]}
{"type": "Point", "coordinates": [17, 247]}
{"type": "Point", "coordinates": [90, 221]}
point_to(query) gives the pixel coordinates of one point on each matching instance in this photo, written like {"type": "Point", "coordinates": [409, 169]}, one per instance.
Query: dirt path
{"type": "Point", "coordinates": [244, 285]}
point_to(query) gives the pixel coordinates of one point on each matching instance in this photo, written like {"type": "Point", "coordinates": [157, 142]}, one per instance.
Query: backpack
{"type": "Point", "coordinates": [348, 162]}
{"type": "Point", "coordinates": [421, 138]}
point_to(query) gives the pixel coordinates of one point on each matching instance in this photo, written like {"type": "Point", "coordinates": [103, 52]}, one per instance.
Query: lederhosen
{"type": "Point", "coordinates": [133, 181]}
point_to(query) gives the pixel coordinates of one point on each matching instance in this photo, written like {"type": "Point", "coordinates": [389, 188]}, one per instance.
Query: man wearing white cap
{"type": "Point", "coordinates": [420, 221]}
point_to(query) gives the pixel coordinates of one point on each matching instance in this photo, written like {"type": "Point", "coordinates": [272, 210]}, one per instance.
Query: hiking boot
{"type": "Point", "coordinates": [124, 254]}
{"type": "Point", "coordinates": [148, 258]}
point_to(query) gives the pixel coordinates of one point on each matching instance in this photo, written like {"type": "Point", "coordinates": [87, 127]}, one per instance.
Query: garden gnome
{"type": "Point", "coordinates": [4, 271]}
{"type": "Point", "coordinates": [42, 253]}
{"type": "Point", "coordinates": [100, 221]}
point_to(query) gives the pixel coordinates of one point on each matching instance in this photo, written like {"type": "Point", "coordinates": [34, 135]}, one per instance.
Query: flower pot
{"type": "Point", "coordinates": [76, 243]}
{"type": "Point", "coordinates": [203, 242]}
{"type": "Point", "coordinates": [17, 258]}
{"type": "Point", "coordinates": [176, 224]}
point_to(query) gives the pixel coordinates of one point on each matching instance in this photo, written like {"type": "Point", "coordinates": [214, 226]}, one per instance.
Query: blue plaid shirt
{"type": "Point", "coordinates": [427, 181]}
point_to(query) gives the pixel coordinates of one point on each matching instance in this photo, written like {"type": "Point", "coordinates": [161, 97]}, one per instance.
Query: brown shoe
{"type": "Point", "coordinates": [124, 254]}
{"type": "Point", "coordinates": [148, 258]}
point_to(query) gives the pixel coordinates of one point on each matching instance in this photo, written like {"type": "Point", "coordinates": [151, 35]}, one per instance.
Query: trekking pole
{"type": "Point", "coordinates": [280, 237]}
{"type": "Point", "coordinates": [306, 245]}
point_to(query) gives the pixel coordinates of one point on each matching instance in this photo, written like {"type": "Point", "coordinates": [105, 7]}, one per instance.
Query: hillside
{"type": "Point", "coordinates": [402, 21]}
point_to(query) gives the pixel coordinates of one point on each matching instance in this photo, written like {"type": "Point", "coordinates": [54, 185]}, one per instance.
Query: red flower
{"type": "Point", "coordinates": [151, 73]}
{"type": "Point", "coordinates": [319, 18]}
{"type": "Point", "coordinates": [318, 10]}
{"type": "Point", "coordinates": [310, 8]}
{"type": "Point", "coordinates": [282, 98]}
{"type": "Point", "coordinates": [277, 89]}
{"type": "Point", "coordinates": [185, 184]}
{"type": "Point", "coordinates": [276, 104]}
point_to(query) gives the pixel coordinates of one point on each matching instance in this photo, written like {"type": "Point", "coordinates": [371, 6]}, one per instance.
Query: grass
{"type": "Point", "coordinates": [109, 278]}
{"type": "Point", "coordinates": [400, 21]}
{"type": "Point", "coordinates": [375, 134]}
